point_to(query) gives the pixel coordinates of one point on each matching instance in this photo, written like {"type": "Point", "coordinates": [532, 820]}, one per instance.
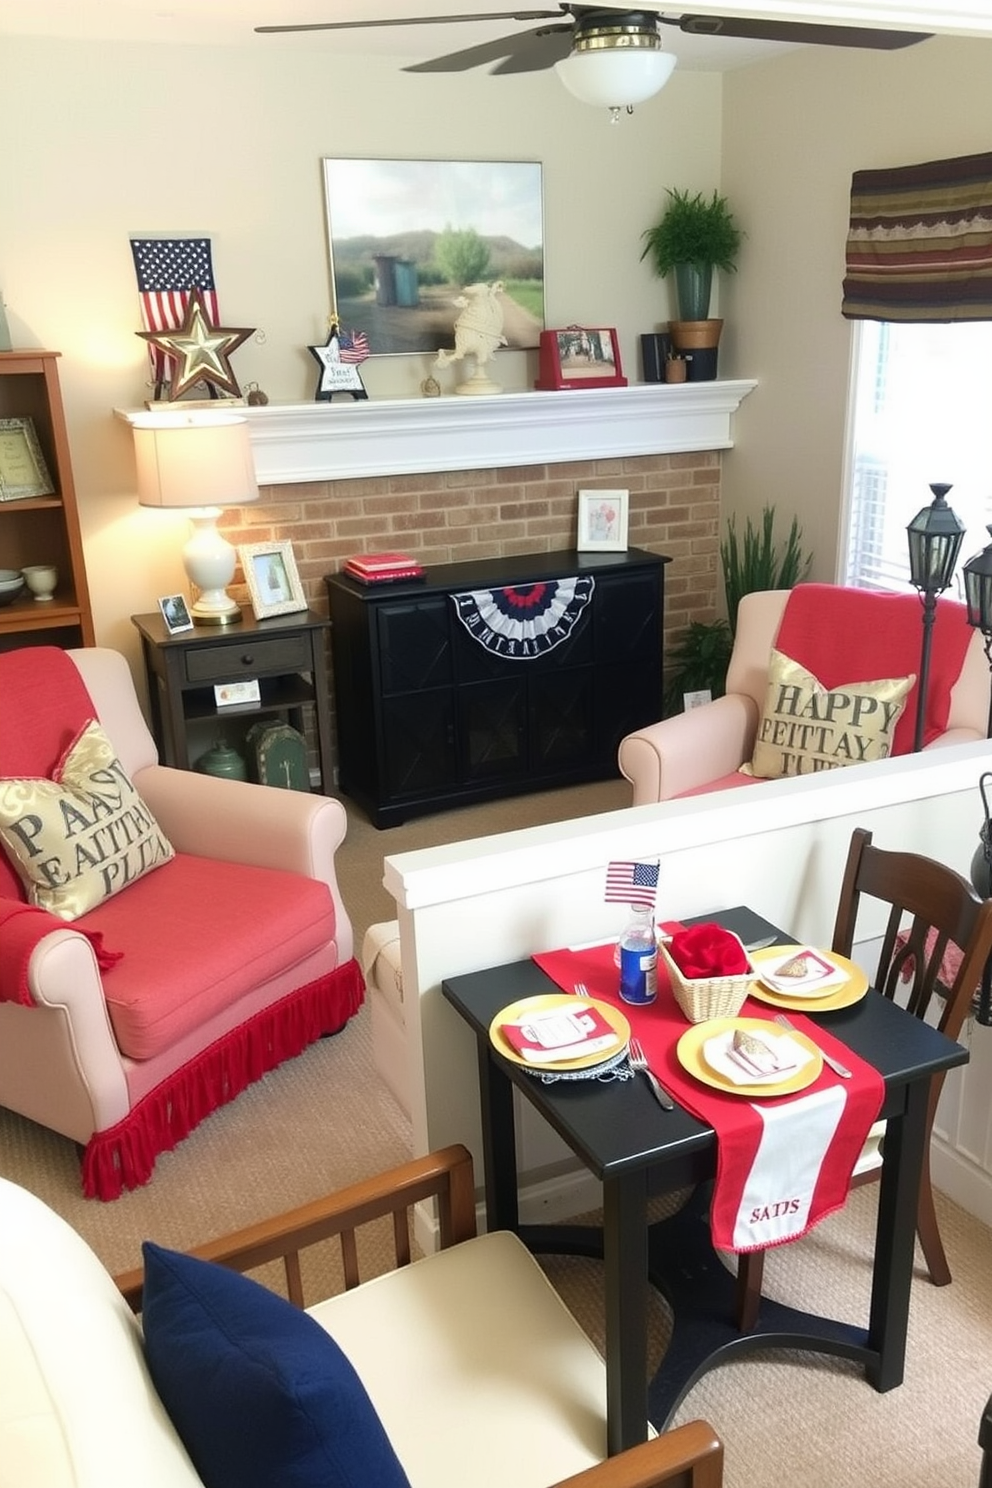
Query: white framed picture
{"type": "Point", "coordinates": [272, 578]}
{"type": "Point", "coordinates": [603, 521]}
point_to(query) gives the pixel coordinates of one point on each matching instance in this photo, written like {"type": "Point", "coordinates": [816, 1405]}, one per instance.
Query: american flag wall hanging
{"type": "Point", "coordinates": [168, 270]}
{"type": "Point", "coordinates": [522, 621]}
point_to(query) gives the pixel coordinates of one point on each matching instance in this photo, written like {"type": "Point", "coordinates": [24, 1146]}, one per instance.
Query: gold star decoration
{"type": "Point", "coordinates": [200, 350]}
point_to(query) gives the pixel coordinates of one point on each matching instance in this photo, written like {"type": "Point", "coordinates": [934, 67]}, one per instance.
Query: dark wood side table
{"type": "Point", "coordinates": [286, 655]}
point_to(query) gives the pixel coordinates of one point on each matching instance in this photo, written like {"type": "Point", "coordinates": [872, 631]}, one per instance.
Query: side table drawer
{"type": "Point", "coordinates": [278, 654]}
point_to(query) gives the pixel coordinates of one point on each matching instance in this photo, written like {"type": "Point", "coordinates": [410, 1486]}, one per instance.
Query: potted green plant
{"type": "Point", "coordinates": [695, 235]}
{"type": "Point", "coordinates": [698, 660]}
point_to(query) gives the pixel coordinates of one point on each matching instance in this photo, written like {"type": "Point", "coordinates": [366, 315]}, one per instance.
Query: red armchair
{"type": "Point", "coordinates": [123, 1028]}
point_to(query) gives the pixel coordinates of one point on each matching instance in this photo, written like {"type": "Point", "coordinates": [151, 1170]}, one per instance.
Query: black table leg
{"type": "Point", "coordinates": [895, 1240]}
{"type": "Point", "coordinates": [499, 1149]}
{"type": "Point", "coordinates": [625, 1253]}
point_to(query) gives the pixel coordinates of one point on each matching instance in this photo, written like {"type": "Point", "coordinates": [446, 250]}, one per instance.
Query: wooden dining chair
{"type": "Point", "coordinates": [932, 907]}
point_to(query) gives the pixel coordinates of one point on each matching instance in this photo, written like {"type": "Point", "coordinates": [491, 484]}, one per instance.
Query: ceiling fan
{"type": "Point", "coordinates": [582, 27]}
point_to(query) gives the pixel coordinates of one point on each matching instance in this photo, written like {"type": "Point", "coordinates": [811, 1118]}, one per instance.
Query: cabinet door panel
{"type": "Point", "coordinates": [414, 645]}
{"type": "Point", "coordinates": [492, 728]}
{"type": "Point", "coordinates": [628, 619]}
{"type": "Point", "coordinates": [418, 744]}
{"type": "Point", "coordinates": [561, 721]}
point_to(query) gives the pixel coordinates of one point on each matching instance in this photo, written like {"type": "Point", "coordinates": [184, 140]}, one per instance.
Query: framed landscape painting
{"type": "Point", "coordinates": [406, 236]}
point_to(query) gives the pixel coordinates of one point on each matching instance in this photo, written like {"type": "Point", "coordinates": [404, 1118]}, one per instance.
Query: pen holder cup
{"type": "Point", "coordinates": [707, 997]}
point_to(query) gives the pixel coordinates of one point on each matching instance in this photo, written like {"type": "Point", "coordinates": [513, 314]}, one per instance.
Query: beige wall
{"type": "Point", "coordinates": [115, 139]}
{"type": "Point", "coordinates": [795, 129]}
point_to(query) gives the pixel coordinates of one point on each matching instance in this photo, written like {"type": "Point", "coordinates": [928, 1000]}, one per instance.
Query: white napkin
{"type": "Point", "coordinates": [821, 973]}
{"type": "Point", "coordinates": [718, 1054]}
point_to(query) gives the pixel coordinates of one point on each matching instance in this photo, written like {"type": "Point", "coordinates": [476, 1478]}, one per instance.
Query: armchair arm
{"type": "Point", "coordinates": [680, 753]}
{"type": "Point", "coordinates": [690, 1456]}
{"type": "Point", "coordinates": [245, 823]}
{"type": "Point", "coordinates": [446, 1176]}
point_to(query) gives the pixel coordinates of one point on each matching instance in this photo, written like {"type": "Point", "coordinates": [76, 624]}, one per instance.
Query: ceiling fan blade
{"type": "Point", "coordinates": [507, 49]}
{"type": "Point", "coordinates": [805, 33]}
{"type": "Point", "coordinates": [549, 46]}
{"type": "Point", "coordinates": [451, 20]}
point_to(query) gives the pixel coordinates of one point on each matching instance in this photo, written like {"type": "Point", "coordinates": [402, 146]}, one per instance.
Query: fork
{"type": "Point", "coordinates": [835, 1064]}
{"type": "Point", "coordinates": [638, 1061]}
{"type": "Point", "coordinates": [580, 989]}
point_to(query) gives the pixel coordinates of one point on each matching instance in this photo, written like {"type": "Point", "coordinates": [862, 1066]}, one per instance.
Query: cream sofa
{"type": "Point", "coordinates": [478, 1372]}
{"type": "Point", "coordinates": [704, 747]}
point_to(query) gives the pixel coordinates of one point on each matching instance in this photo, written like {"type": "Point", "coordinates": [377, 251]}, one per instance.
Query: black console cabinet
{"type": "Point", "coordinates": [429, 718]}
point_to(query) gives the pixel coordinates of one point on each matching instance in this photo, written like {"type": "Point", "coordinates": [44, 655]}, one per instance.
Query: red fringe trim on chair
{"type": "Point", "coordinates": [124, 1155]}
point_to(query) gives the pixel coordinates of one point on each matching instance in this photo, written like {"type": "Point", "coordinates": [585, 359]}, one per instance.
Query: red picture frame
{"type": "Point", "coordinates": [580, 357]}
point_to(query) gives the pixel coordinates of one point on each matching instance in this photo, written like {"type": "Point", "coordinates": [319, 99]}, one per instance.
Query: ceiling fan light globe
{"type": "Point", "coordinates": [619, 78]}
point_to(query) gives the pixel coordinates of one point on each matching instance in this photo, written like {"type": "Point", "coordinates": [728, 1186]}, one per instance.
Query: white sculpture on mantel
{"type": "Point", "coordinates": [478, 333]}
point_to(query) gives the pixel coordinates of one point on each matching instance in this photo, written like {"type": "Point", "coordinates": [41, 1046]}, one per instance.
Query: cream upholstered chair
{"type": "Point", "coordinates": [704, 748]}
{"type": "Point", "coordinates": [124, 1027]}
{"type": "Point", "coordinates": [470, 1369]}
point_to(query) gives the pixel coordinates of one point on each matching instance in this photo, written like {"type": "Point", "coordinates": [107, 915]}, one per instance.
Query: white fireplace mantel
{"type": "Point", "coordinates": [409, 436]}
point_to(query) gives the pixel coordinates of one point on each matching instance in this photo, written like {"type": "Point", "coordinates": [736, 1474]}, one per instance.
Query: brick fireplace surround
{"type": "Point", "coordinates": [337, 479]}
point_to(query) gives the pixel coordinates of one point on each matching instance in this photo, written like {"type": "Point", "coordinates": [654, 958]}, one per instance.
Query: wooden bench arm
{"type": "Point", "coordinates": [446, 1176]}
{"type": "Point", "coordinates": [690, 1456]}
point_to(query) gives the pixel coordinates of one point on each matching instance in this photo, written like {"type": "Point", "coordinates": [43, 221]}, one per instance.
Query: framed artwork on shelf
{"type": "Point", "coordinates": [23, 472]}
{"type": "Point", "coordinates": [580, 357]}
{"type": "Point", "coordinates": [175, 613]}
{"type": "Point", "coordinates": [406, 236]}
{"type": "Point", "coordinates": [603, 521]}
{"type": "Point", "coordinates": [272, 578]}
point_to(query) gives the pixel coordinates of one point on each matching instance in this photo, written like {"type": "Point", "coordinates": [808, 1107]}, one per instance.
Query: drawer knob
{"type": "Point", "coordinates": [247, 659]}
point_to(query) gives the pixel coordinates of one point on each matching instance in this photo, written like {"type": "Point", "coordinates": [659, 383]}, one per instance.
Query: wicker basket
{"type": "Point", "coordinates": [707, 997]}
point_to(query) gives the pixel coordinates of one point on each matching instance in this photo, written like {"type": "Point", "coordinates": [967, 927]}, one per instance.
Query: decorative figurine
{"type": "Point", "coordinates": [339, 359]}
{"type": "Point", "coordinates": [478, 333]}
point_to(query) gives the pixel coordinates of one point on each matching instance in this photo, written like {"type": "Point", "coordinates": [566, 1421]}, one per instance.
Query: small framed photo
{"type": "Point", "coordinates": [580, 357]}
{"type": "Point", "coordinates": [272, 579]}
{"type": "Point", "coordinates": [603, 521]}
{"type": "Point", "coordinates": [175, 613]}
{"type": "Point", "coordinates": [23, 472]}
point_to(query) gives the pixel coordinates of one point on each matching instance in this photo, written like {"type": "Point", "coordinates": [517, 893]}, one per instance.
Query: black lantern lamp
{"type": "Point", "coordinates": [981, 878]}
{"type": "Point", "coordinates": [935, 535]}
{"type": "Point", "coordinates": [977, 575]}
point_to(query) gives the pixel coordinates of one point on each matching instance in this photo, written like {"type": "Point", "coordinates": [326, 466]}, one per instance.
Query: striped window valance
{"type": "Point", "coordinates": [919, 246]}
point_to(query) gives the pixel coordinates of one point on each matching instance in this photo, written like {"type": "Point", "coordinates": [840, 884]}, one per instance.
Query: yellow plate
{"type": "Point", "coordinates": [837, 997]}
{"type": "Point", "coordinates": [689, 1052]}
{"type": "Point", "coordinates": [510, 1014]}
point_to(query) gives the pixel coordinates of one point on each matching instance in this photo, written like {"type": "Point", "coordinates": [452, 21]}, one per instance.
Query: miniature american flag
{"type": "Point", "coordinates": [631, 883]}
{"type": "Point", "coordinates": [353, 346]}
{"type": "Point", "coordinates": [167, 269]}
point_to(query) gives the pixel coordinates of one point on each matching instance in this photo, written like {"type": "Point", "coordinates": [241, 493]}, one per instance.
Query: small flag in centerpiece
{"type": "Point", "coordinates": [632, 883]}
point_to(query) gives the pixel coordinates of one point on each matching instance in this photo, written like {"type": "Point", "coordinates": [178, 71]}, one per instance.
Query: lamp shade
{"type": "Point", "coordinates": [935, 535]}
{"type": "Point", "coordinates": [616, 78]}
{"type": "Point", "coordinates": [977, 575]}
{"type": "Point", "coordinates": [194, 460]}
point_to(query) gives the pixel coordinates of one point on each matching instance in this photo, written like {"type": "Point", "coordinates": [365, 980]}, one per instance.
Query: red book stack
{"type": "Point", "coordinates": [382, 568]}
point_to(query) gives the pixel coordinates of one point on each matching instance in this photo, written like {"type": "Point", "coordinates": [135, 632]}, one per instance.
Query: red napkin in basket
{"type": "Point", "coordinates": [783, 1163]}
{"type": "Point", "coordinates": [706, 951]}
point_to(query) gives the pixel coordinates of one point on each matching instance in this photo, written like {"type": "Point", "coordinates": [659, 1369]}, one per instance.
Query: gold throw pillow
{"type": "Point", "coordinates": [805, 727]}
{"type": "Point", "coordinates": [82, 836]}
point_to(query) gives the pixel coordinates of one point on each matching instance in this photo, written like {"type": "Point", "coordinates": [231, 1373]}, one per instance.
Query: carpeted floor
{"type": "Point", "coordinates": [325, 1119]}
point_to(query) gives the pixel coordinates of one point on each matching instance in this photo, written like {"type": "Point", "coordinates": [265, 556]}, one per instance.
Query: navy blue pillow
{"type": "Point", "coordinates": [261, 1395]}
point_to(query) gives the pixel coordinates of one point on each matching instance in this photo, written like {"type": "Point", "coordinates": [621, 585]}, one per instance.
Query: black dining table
{"type": "Point", "coordinates": [639, 1151]}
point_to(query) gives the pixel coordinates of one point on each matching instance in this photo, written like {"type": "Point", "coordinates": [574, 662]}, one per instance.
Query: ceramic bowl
{"type": "Point", "coordinates": [41, 579]}
{"type": "Point", "coordinates": [11, 584]}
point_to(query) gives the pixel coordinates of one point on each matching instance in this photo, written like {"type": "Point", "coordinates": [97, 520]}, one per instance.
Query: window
{"type": "Point", "coordinates": [921, 412]}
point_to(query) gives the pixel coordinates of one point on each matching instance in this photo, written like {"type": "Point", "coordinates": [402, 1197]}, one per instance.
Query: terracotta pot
{"type": "Point", "coordinates": [692, 335]}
